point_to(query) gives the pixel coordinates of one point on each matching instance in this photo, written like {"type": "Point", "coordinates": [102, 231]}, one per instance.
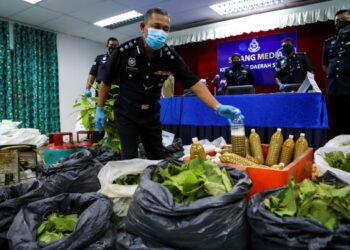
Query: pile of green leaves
{"type": "Point", "coordinates": [337, 159]}
{"type": "Point", "coordinates": [194, 180]}
{"type": "Point", "coordinates": [130, 179]}
{"type": "Point", "coordinates": [56, 227]}
{"type": "Point", "coordinates": [327, 204]}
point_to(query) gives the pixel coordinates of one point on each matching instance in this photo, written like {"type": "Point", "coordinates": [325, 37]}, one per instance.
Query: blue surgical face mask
{"type": "Point", "coordinates": [156, 38]}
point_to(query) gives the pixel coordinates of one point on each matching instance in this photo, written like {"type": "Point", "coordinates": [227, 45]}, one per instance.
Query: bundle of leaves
{"type": "Point", "coordinates": [327, 204]}
{"type": "Point", "coordinates": [337, 159]}
{"type": "Point", "coordinates": [130, 179]}
{"type": "Point", "coordinates": [56, 227]}
{"type": "Point", "coordinates": [194, 180]}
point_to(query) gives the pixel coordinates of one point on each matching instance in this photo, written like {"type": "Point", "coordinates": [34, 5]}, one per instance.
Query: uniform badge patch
{"type": "Point", "coordinates": [131, 62]}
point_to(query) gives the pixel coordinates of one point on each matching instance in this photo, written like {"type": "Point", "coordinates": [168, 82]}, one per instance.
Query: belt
{"type": "Point", "coordinates": [137, 105]}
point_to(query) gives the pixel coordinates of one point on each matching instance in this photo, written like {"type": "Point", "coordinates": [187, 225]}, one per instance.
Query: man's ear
{"type": "Point", "coordinates": [142, 26]}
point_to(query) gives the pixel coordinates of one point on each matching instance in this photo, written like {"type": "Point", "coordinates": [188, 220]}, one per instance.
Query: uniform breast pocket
{"type": "Point", "coordinates": [132, 74]}
{"type": "Point", "coordinates": [158, 79]}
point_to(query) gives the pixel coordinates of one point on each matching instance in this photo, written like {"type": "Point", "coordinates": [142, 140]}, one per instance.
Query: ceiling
{"type": "Point", "coordinates": [76, 17]}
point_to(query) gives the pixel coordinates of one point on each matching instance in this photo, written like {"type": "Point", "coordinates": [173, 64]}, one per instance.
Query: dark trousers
{"type": "Point", "coordinates": [340, 110]}
{"type": "Point", "coordinates": [134, 123]}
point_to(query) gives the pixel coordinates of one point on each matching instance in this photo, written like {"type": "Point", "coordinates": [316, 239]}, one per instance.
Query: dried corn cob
{"type": "Point", "coordinates": [251, 158]}
{"type": "Point", "coordinates": [236, 159]}
{"type": "Point", "coordinates": [315, 173]}
{"type": "Point", "coordinates": [197, 149]}
{"type": "Point", "coordinates": [287, 151]}
{"type": "Point", "coordinates": [278, 166]}
{"type": "Point", "coordinates": [274, 148]}
{"type": "Point", "coordinates": [249, 152]}
{"type": "Point", "coordinates": [301, 146]}
{"type": "Point", "coordinates": [255, 146]}
{"type": "Point", "coordinates": [226, 149]}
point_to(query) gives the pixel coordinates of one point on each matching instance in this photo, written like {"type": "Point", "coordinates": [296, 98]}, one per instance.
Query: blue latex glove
{"type": "Point", "coordinates": [282, 87]}
{"type": "Point", "coordinates": [229, 112]}
{"type": "Point", "coordinates": [100, 119]}
{"type": "Point", "coordinates": [87, 92]}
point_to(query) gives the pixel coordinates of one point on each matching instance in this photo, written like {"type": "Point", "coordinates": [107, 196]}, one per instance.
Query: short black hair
{"type": "Point", "coordinates": [285, 40]}
{"type": "Point", "coordinates": [236, 55]}
{"type": "Point", "coordinates": [156, 11]}
{"type": "Point", "coordinates": [112, 39]}
{"type": "Point", "coordinates": [342, 11]}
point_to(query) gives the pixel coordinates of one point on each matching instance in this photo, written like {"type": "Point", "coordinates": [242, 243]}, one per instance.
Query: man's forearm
{"type": "Point", "coordinates": [103, 94]}
{"type": "Point", "coordinates": [204, 94]}
{"type": "Point", "coordinates": [90, 81]}
{"type": "Point", "coordinates": [278, 81]}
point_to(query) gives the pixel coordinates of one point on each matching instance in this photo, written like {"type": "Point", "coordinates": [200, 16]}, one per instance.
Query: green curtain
{"type": "Point", "coordinates": [35, 79]}
{"type": "Point", "coordinates": [6, 108]}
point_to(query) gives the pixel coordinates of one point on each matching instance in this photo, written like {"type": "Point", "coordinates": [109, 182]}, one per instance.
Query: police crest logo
{"type": "Point", "coordinates": [254, 46]}
{"type": "Point", "coordinates": [132, 62]}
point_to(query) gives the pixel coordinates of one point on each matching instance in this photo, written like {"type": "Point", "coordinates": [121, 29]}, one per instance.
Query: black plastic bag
{"type": "Point", "coordinates": [12, 198]}
{"type": "Point", "coordinates": [216, 222]}
{"type": "Point", "coordinates": [94, 229]}
{"type": "Point", "coordinates": [104, 154]}
{"type": "Point", "coordinates": [75, 174]}
{"type": "Point", "coordinates": [126, 241]}
{"type": "Point", "coordinates": [175, 150]}
{"type": "Point", "coordinates": [269, 231]}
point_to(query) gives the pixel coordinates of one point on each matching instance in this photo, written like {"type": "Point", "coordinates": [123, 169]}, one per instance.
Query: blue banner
{"type": "Point", "coordinates": [259, 54]}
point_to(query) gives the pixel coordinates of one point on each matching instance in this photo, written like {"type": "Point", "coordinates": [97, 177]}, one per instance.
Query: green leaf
{"type": "Point", "coordinates": [227, 180]}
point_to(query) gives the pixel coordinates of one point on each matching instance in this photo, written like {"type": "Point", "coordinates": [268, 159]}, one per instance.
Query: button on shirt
{"type": "Point", "coordinates": [141, 78]}
{"type": "Point", "coordinates": [293, 69]}
{"type": "Point", "coordinates": [99, 60]}
{"type": "Point", "coordinates": [238, 76]}
{"type": "Point", "coordinates": [336, 55]}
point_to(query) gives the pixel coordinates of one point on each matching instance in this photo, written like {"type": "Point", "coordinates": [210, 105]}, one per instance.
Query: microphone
{"type": "Point", "coordinates": [216, 77]}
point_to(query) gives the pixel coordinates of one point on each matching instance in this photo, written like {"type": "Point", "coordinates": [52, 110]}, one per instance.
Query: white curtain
{"type": "Point", "coordinates": [260, 22]}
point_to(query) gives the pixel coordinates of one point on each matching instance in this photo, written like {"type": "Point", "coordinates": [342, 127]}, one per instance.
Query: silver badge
{"type": "Point", "coordinates": [131, 62]}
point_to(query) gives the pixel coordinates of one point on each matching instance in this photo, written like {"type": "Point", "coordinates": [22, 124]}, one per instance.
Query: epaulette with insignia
{"type": "Point", "coordinates": [127, 45]}
{"type": "Point", "coordinates": [166, 50]}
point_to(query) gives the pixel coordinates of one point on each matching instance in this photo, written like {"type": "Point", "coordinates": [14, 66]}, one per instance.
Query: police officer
{"type": "Point", "coordinates": [292, 67]}
{"type": "Point", "coordinates": [336, 64]}
{"type": "Point", "coordinates": [141, 65]}
{"type": "Point", "coordinates": [99, 60]}
{"type": "Point", "coordinates": [237, 74]}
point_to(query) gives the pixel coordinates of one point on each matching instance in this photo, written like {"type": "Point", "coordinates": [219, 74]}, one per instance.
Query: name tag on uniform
{"type": "Point", "coordinates": [132, 69]}
{"type": "Point", "coordinates": [163, 73]}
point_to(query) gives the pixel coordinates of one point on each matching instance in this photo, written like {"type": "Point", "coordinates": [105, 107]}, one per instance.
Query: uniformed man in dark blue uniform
{"type": "Point", "coordinates": [237, 74]}
{"type": "Point", "coordinates": [99, 60]}
{"type": "Point", "coordinates": [336, 64]}
{"type": "Point", "coordinates": [141, 66]}
{"type": "Point", "coordinates": [293, 67]}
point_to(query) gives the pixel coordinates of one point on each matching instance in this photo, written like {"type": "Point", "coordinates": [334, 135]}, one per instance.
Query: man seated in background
{"type": "Point", "coordinates": [99, 60]}
{"type": "Point", "coordinates": [293, 67]}
{"type": "Point", "coordinates": [237, 74]}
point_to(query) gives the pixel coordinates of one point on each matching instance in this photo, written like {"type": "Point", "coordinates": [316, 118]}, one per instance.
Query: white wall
{"type": "Point", "coordinates": [75, 57]}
